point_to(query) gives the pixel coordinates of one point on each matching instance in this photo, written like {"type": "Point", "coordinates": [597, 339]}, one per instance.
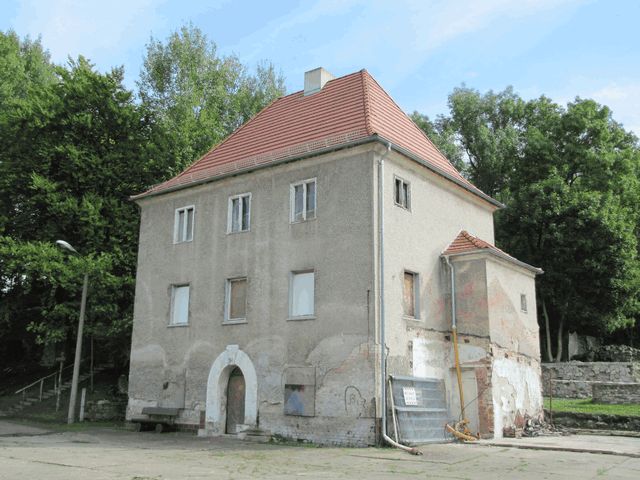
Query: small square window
{"type": "Point", "coordinates": [239, 218]}
{"type": "Point", "coordinates": [402, 193]}
{"type": "Point", "coordinates": [303, 200]}
{"type": "Point", "coordinates": [523, 302]}
{"type": "Point", "coordinates": [236, 300]}
{"type": "Point", "coordinates": [301, 294]}
{"type": "Point", "coordinates": [183, 226]}
{"type": "Point", "coordinates": [410, 295]}
{"type": "Point", "coordinates": [179, 305]}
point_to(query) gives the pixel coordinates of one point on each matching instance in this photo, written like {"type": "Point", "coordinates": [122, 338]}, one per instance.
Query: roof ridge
{"type": "Point", "coordinates": [365, 93]}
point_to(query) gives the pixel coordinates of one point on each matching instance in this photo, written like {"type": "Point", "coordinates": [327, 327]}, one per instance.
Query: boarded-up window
{"type": "Point", "coordinates": [409, 294]}
{"type": "Point", "coordinates": [236, 299]}
{"type": "Point", "coordinates": [303, 200]}
{"type": "Point", "coordinates": [179, 305]}
{"type": "Point", "coordinates": [302, 294]}
{"type": "Point", "coordinates": [299, 400]}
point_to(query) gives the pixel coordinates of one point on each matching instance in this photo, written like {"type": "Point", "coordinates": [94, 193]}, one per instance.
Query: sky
{"type": "Point", "coordinates": [418, 50]}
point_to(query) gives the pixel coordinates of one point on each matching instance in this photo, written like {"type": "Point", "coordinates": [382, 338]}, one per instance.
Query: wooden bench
{"type": "Point", "coordinates": [160, 418]}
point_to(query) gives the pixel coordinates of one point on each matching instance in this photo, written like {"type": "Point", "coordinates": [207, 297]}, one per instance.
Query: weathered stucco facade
{"type": "Point", "coordinates": [330, 360]}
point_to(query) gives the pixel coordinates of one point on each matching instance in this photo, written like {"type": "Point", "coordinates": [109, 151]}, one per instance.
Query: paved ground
{"type": "Point", "coordinates": [98, 454]}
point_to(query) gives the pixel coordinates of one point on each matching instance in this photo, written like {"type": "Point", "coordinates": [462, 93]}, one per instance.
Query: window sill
{"type": "Point", "coordinates": [180, 242]}
{"type": "Point", "coordinates": [295, 222]}
{"type": "Point", "coordinates": [304, 317]}
{"type": "Point", "coordinates": [239, 231]}
{"type": "Point", "coordinates": [235, 321]}
{"type": "Point", "coordinates": [177, 325]}
{"type": "Point", "coordinates": [408, 209]}
{"type": "Point", "coordinates": [413, 321]}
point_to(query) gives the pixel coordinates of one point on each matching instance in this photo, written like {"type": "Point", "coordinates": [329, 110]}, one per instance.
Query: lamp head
{"type": "Point", "coordinates": [66, 246]}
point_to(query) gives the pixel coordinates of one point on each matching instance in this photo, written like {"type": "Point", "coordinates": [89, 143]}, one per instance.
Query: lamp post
{"type": "Point", "coordinates": [76, 360]}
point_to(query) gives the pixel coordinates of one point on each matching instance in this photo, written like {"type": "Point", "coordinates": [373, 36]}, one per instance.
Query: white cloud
{"type": "Point", "coordinates": [393, 37]}
{"type": "Point", "coordinates": [97, 30]}
{"type": "Point", "coordinates": [624, 100]}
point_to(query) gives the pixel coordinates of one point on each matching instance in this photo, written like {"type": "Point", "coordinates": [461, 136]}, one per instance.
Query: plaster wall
{"type": "Point", "coordinates": [414, 240]}
{"type": "Point", "coordinates": [171, 364]}
{"type": "Point", "coordinates": [516, 375]}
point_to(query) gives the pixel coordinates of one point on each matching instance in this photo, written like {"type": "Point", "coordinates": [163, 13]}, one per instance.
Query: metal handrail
{"type": "Point", "coordinates": [58, 372]}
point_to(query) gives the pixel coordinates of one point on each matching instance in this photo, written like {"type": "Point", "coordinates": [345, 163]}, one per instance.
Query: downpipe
{"type": "Point", "coordinates": [383, 346]}
{"type": "Point", "coordinates": [459, 430]}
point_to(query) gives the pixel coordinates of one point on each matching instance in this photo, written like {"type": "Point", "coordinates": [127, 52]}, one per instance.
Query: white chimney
{"type": "Point", "coordinates": [315, 79]}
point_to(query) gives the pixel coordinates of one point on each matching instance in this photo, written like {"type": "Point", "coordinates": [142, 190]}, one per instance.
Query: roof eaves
{"type": "Point", "coordinates": [500, 254]}
{"type": "Point", "coordinates": [293, 158]}
{"type": "Point", "coordinates": [442, 173]}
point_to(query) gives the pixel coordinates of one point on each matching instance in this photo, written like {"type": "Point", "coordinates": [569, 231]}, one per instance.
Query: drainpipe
{"type": "Point", "coordinates": [454, 332]}
{"type": "Point", "coordinates": [383, 346]}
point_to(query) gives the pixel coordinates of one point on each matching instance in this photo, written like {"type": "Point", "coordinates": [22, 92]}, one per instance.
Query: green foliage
{"type": "Point", "coordinates": [201, 97]}
{"type": "Point", "coordinates": [75, 145]}
{"type": "Point", "coordinates": [72, 153]}
{"type": "Point", "coordinates": [569, 177]}
{"type": "Point", "coordinates": [586, 405]}
{"type": "Point", "coordinates": [443, 134]}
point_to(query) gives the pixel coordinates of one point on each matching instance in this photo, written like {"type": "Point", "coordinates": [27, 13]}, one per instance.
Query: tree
{"type": "Point", "coordinates": [443, 134]}
{"type": "Point", "coordinates": [199, 96]}
{"type": "Point", "coordinates": [570, 179]}
{"type": "Point", "coordinates": [71, 156]}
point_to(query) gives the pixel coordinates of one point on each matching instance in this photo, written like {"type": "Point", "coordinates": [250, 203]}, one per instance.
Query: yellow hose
{"type": "Point", "coordinates": [454, 330]}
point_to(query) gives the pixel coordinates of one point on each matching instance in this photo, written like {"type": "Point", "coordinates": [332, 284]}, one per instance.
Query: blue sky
{"type": "Point", "coordinates": [418, 50]}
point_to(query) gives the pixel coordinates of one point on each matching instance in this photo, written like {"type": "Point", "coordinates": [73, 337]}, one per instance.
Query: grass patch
{"type": "Point", "coordinates": [586, 405]}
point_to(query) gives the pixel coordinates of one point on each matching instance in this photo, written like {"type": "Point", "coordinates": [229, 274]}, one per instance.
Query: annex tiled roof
{"type": "Point", "coordinates": [347, 109]}
{"type": "Point", "coordinates": [467, 243]}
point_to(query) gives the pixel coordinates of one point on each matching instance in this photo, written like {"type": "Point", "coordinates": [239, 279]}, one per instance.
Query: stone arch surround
{"type": "Point", "coordinates": [216, 412]}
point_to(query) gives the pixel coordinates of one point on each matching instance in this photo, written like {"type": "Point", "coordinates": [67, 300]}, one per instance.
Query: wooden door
{"type": "Point", "coordinates": [235, 401]}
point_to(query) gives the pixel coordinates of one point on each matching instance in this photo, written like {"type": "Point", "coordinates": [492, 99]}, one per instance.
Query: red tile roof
{"type": "Point", "coordinates": [467, 243]}
{"type": "Point", "coordinates": [347, 109]}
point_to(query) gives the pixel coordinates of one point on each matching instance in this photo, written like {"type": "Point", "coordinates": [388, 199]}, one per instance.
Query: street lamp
{"type": "Point", "coordinates": [76, 360]}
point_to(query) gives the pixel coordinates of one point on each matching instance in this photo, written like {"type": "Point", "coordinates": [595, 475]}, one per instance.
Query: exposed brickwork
{"type": "Point", "coordinates": [485, 402]}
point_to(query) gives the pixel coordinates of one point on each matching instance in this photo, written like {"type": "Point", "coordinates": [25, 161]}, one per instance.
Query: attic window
{"type": "Point", "coordinates": [183, 225]}
{"type": "Point", "coordinates": [303, 200]}
{"type": "Point", "coordinates": [402, 193]}
{"type": "Point", "coordinates": [523, 302]}
{"type": "Point", "coordinates": [239, 218]}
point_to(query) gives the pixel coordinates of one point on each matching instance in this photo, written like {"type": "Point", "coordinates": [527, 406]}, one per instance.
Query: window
{"type": "Point", "coordinates": [239, 218]}
{"type": "Point", "coordinates": [236, 300]}
{"type": "Point", "coordinates": [523, 302]}
{"type": "Point", "coordinates": [402, 193]}
{"type": "Point", "coordinates": [303, 200]}
{"type": "Point", "coordinates": [410, 297]}
{"type": "Point", "coordinates": [301, 294]}
{"type": "Point", "coordinates": [179, 305]}
{"type": "Point", "coordinates": [183, 228]}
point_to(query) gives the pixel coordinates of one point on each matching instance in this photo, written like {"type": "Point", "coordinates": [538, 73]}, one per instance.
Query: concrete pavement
{"type": "Point", "coordinates": [108, 454]}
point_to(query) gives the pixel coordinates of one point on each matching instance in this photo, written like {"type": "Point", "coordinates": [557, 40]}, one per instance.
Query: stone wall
{"type": "Point", "coordinates": [616, 393]}
{"type": "Point", "coordinates": [593, 422]}
{"type": "Point", "coordinates": [105, 410]}
{"type": "Point", "coordinates": [576, 379]}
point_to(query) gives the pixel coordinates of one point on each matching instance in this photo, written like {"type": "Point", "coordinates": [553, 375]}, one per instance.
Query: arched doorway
{"type": "Point", "coordinates": [223, 388]}
{"type": "Point", "coordinates": [235, 401]}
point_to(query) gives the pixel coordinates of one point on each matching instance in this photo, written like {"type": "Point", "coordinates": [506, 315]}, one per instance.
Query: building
{"type": "Point", "coordinates": [271, 268]}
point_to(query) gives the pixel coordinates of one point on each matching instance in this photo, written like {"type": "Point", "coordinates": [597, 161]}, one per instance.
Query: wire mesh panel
{"type": "Point", "coordinates": [421, 409]}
